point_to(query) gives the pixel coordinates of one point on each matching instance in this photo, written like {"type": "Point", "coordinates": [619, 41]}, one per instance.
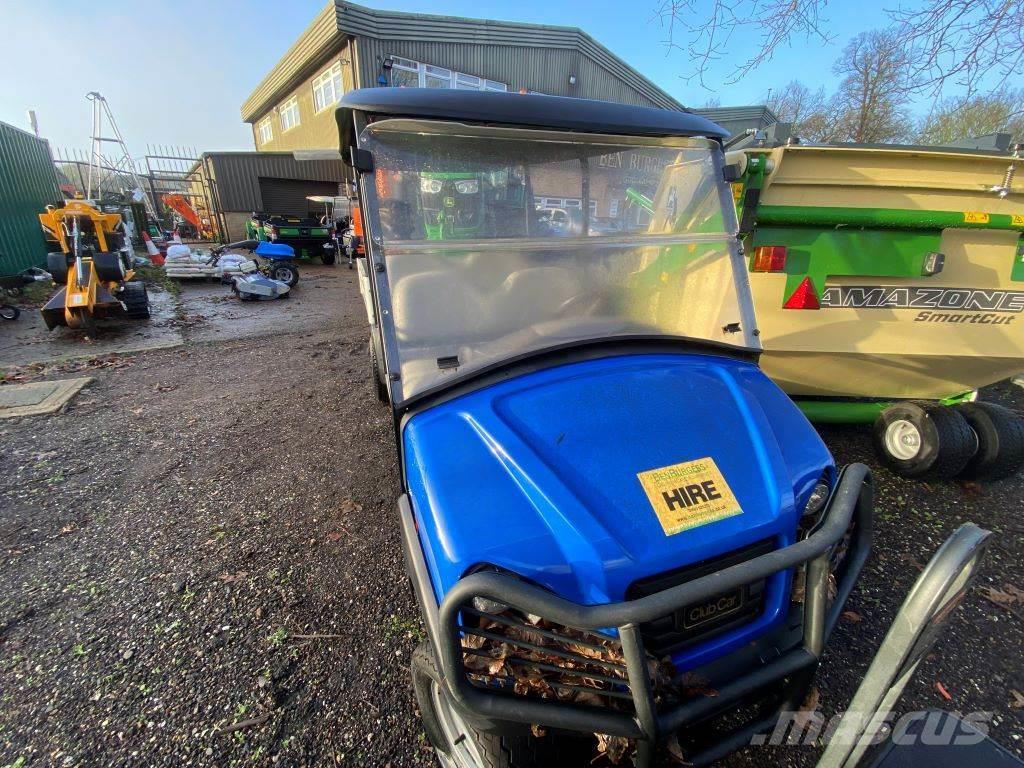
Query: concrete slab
{"type": "Point", "coordinates": [37, 398]}
{"type": "Point", "coordinates": [212, 313]}
{"type": "Point", "coordinates": [28, 341]}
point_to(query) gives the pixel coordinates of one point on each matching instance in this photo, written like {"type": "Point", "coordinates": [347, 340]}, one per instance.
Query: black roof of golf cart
{"type": "Point", "coordinates": [523, 109]}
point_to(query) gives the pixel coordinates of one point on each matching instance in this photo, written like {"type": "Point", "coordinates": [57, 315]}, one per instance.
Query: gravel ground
{"type": "Point", "coordinates": [199, 567]}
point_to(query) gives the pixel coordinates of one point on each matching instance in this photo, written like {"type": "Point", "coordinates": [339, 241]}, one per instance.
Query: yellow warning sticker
{"type": "Point", "coordinates": [688, 495]}
{"type": "Point", "coordinates": [975, 217]}
{"type": "Point", "coordinates": [737, 191]}
{"type": "Point", "coordinates": [1017, 221]}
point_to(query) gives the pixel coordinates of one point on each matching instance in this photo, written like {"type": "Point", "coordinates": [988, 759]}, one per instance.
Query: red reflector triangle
{"type": "Point", "coordinates": [803, 297]}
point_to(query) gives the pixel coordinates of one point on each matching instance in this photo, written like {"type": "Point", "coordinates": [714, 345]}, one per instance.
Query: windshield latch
{"type": "Point", "coordinates": [448, 363]}
{"type": "Point", "coordinates": [731, 328]}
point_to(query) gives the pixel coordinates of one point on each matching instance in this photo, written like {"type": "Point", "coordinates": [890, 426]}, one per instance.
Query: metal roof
{"type": "Point", "coordinates": [341, 19]}
{"type": "Point", "coordinates": [534, 110]}
{"type": "Point", "coordinates": [739, 119]}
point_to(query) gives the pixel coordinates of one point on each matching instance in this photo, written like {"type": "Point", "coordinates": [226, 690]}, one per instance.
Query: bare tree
{"type": "Point", "coordinates": [969, 116]}
{"type": "Point", "coordinates": [708, 37]}
{"type": "Point", "coordinates": [869, 105]}
{"type": "Point", "coordinates": [807, 110]}
{"type": "Point", "coordinates": [948, 41]}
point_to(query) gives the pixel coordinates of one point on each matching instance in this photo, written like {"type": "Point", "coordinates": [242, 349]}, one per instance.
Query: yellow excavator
{"type": "Point", "coordinates": [93, 266]}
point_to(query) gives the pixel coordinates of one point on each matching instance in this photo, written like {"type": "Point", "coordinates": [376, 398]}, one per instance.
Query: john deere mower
{"type": "Point", "coordinates": [93, 267]}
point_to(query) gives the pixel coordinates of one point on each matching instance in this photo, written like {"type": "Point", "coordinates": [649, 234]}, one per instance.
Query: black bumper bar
{"type": "Point", "coordinates": [851, 499]}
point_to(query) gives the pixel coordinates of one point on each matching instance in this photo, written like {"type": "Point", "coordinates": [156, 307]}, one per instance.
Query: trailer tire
{"type": "Point", "coordinates": [328, 258]}
{"type": "Point", "coordinates": [924, 440]}
{"type": "Point", "coordinates": [109, 266]}
{"type": "Point", "coordinates": [9, 312]}
{"type": "Point", "coordinates": [512, 747]}
{"type": "Point", "coordinates": [1000, 434]}
{"type": "Point", "coordinates": [57, 266]}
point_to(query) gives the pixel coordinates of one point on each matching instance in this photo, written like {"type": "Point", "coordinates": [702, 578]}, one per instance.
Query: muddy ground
{"type": "Point", "coordinates": [200, 563]}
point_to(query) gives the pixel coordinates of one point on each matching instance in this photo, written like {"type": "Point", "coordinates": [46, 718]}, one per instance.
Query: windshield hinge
{"type": "Point", "coordinates": [362, 160]}
{"type": "Point", "coordinates": [448, 363]}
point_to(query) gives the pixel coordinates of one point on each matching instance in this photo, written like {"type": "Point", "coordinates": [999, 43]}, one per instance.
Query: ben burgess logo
{"type": "Point", "coordinates": [988, 307]}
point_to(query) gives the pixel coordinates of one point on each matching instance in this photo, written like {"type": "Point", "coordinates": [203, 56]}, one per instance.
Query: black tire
{"type": "Point", "coordinates": [57, 265]}
{"type": "Point", "coordinates": [379, 385]}
{"type": "Point", "coordinates": [9, 312]}
{"type": "Point", "coordinates": [109, 266]}
{"type": "Point", "coordinates": [513, 747]}
{"type": "Point", "coordinates": [327, 257]}
{"type": "Point", "coordinates": [1000, 434]}
{"type": "Point", "coordinates": [284, 271]}
{"type": "Point", "coordinates": [135, 297]}
{"type": "Point", "coordinates": [943, 441]}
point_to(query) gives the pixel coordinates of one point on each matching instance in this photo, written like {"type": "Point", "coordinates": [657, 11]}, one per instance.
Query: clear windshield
{"type": "Point", "coordinates": [500, 242]}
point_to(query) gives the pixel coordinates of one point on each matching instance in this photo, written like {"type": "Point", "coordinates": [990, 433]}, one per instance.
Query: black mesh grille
{"type": "Point", "coordinates": [701, 621]}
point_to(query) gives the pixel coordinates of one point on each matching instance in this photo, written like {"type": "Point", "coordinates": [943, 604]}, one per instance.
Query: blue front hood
{"type": "Point", "coordinates": [538, 474]}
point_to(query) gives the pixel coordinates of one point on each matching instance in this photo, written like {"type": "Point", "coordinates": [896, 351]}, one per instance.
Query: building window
{"type": "Point", "coordinates": [266, 130]}
{"type": "Point", "coordinates": [289, 113]}
{"type": "Point", "coordinates": [327, 88]}
{"type": "Point", "coordinates": [437, 77]}
{"type": "Point", "coordinates": [613, 208]}
{"type": "Point", "coordinates": [406, 73]}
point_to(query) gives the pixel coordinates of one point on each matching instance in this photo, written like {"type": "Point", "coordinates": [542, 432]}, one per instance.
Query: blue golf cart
{"type": "Point", "coordinates": [615, 524]}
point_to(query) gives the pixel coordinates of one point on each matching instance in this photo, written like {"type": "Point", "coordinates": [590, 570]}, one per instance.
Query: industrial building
{"type": "Point", "coordinates": [229, 186]}
{"type": "Point", "coordinates": [348, 46]}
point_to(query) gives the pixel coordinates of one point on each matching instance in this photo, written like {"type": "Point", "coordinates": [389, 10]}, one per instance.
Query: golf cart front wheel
{"type": "Point", "coordinates": [923, 440]}
{"type": "Point", "coordinates": [286, 273]}
{"type": "Point", "coordinates": [9, 312]}
{"type": "Point", "coordinates": [458, 743]}
{"type": "Point", "coordinates": [327, 257]}
{"type": "Point", "coordinates": [1000, 434]}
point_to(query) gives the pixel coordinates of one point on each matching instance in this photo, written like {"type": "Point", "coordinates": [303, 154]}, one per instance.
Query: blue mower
{"type": "Point", "coordinates": [614, 522]}
{"type": "Point", "coordinates": [274, 260]}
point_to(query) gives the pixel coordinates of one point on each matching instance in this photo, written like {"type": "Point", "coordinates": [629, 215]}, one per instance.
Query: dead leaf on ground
{"type": "Point", "coordinates": [348, 506]}
{"type": "Point", "coordinates": [1008, 595]}
{"type": "Point", "coordinates": [334, 535]}
{"type": "Point", "coordinates": [1018, 699]}
{"type": "Point", "coordinates": [942, 691]}
{"type": "Point", "coordinates": [851, 616]}
{"type": "Point", "coordinates": [229, 578]}
{"type": "Point", "coordinates": [808, 710]}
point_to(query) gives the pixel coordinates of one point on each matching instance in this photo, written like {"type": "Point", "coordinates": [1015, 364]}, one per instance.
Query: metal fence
{"type": "Point", "coordinates": [163, 170]}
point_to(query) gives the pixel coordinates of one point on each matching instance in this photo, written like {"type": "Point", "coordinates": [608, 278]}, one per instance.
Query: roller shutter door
{"type": "Point", "coordinates": [287, 197]}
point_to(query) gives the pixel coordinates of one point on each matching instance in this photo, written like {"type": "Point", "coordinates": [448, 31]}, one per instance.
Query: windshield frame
{"type": "Point", "coordinates": [376, 263]}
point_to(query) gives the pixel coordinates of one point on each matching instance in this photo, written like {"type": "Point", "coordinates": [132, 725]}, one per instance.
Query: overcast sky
{"type": "Point", "coordinates": [176, 73]}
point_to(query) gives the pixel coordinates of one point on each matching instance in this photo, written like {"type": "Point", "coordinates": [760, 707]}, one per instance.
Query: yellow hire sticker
{"type": "Point", "coordinates": [688, 495]}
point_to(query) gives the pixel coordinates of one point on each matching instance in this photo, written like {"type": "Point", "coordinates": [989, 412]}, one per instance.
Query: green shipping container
{"type": "Point", "coordinates": [28, 183]}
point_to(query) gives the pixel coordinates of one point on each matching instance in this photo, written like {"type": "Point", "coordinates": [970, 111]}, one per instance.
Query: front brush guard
{"type": "Point", "coordinates": [851, 499]}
